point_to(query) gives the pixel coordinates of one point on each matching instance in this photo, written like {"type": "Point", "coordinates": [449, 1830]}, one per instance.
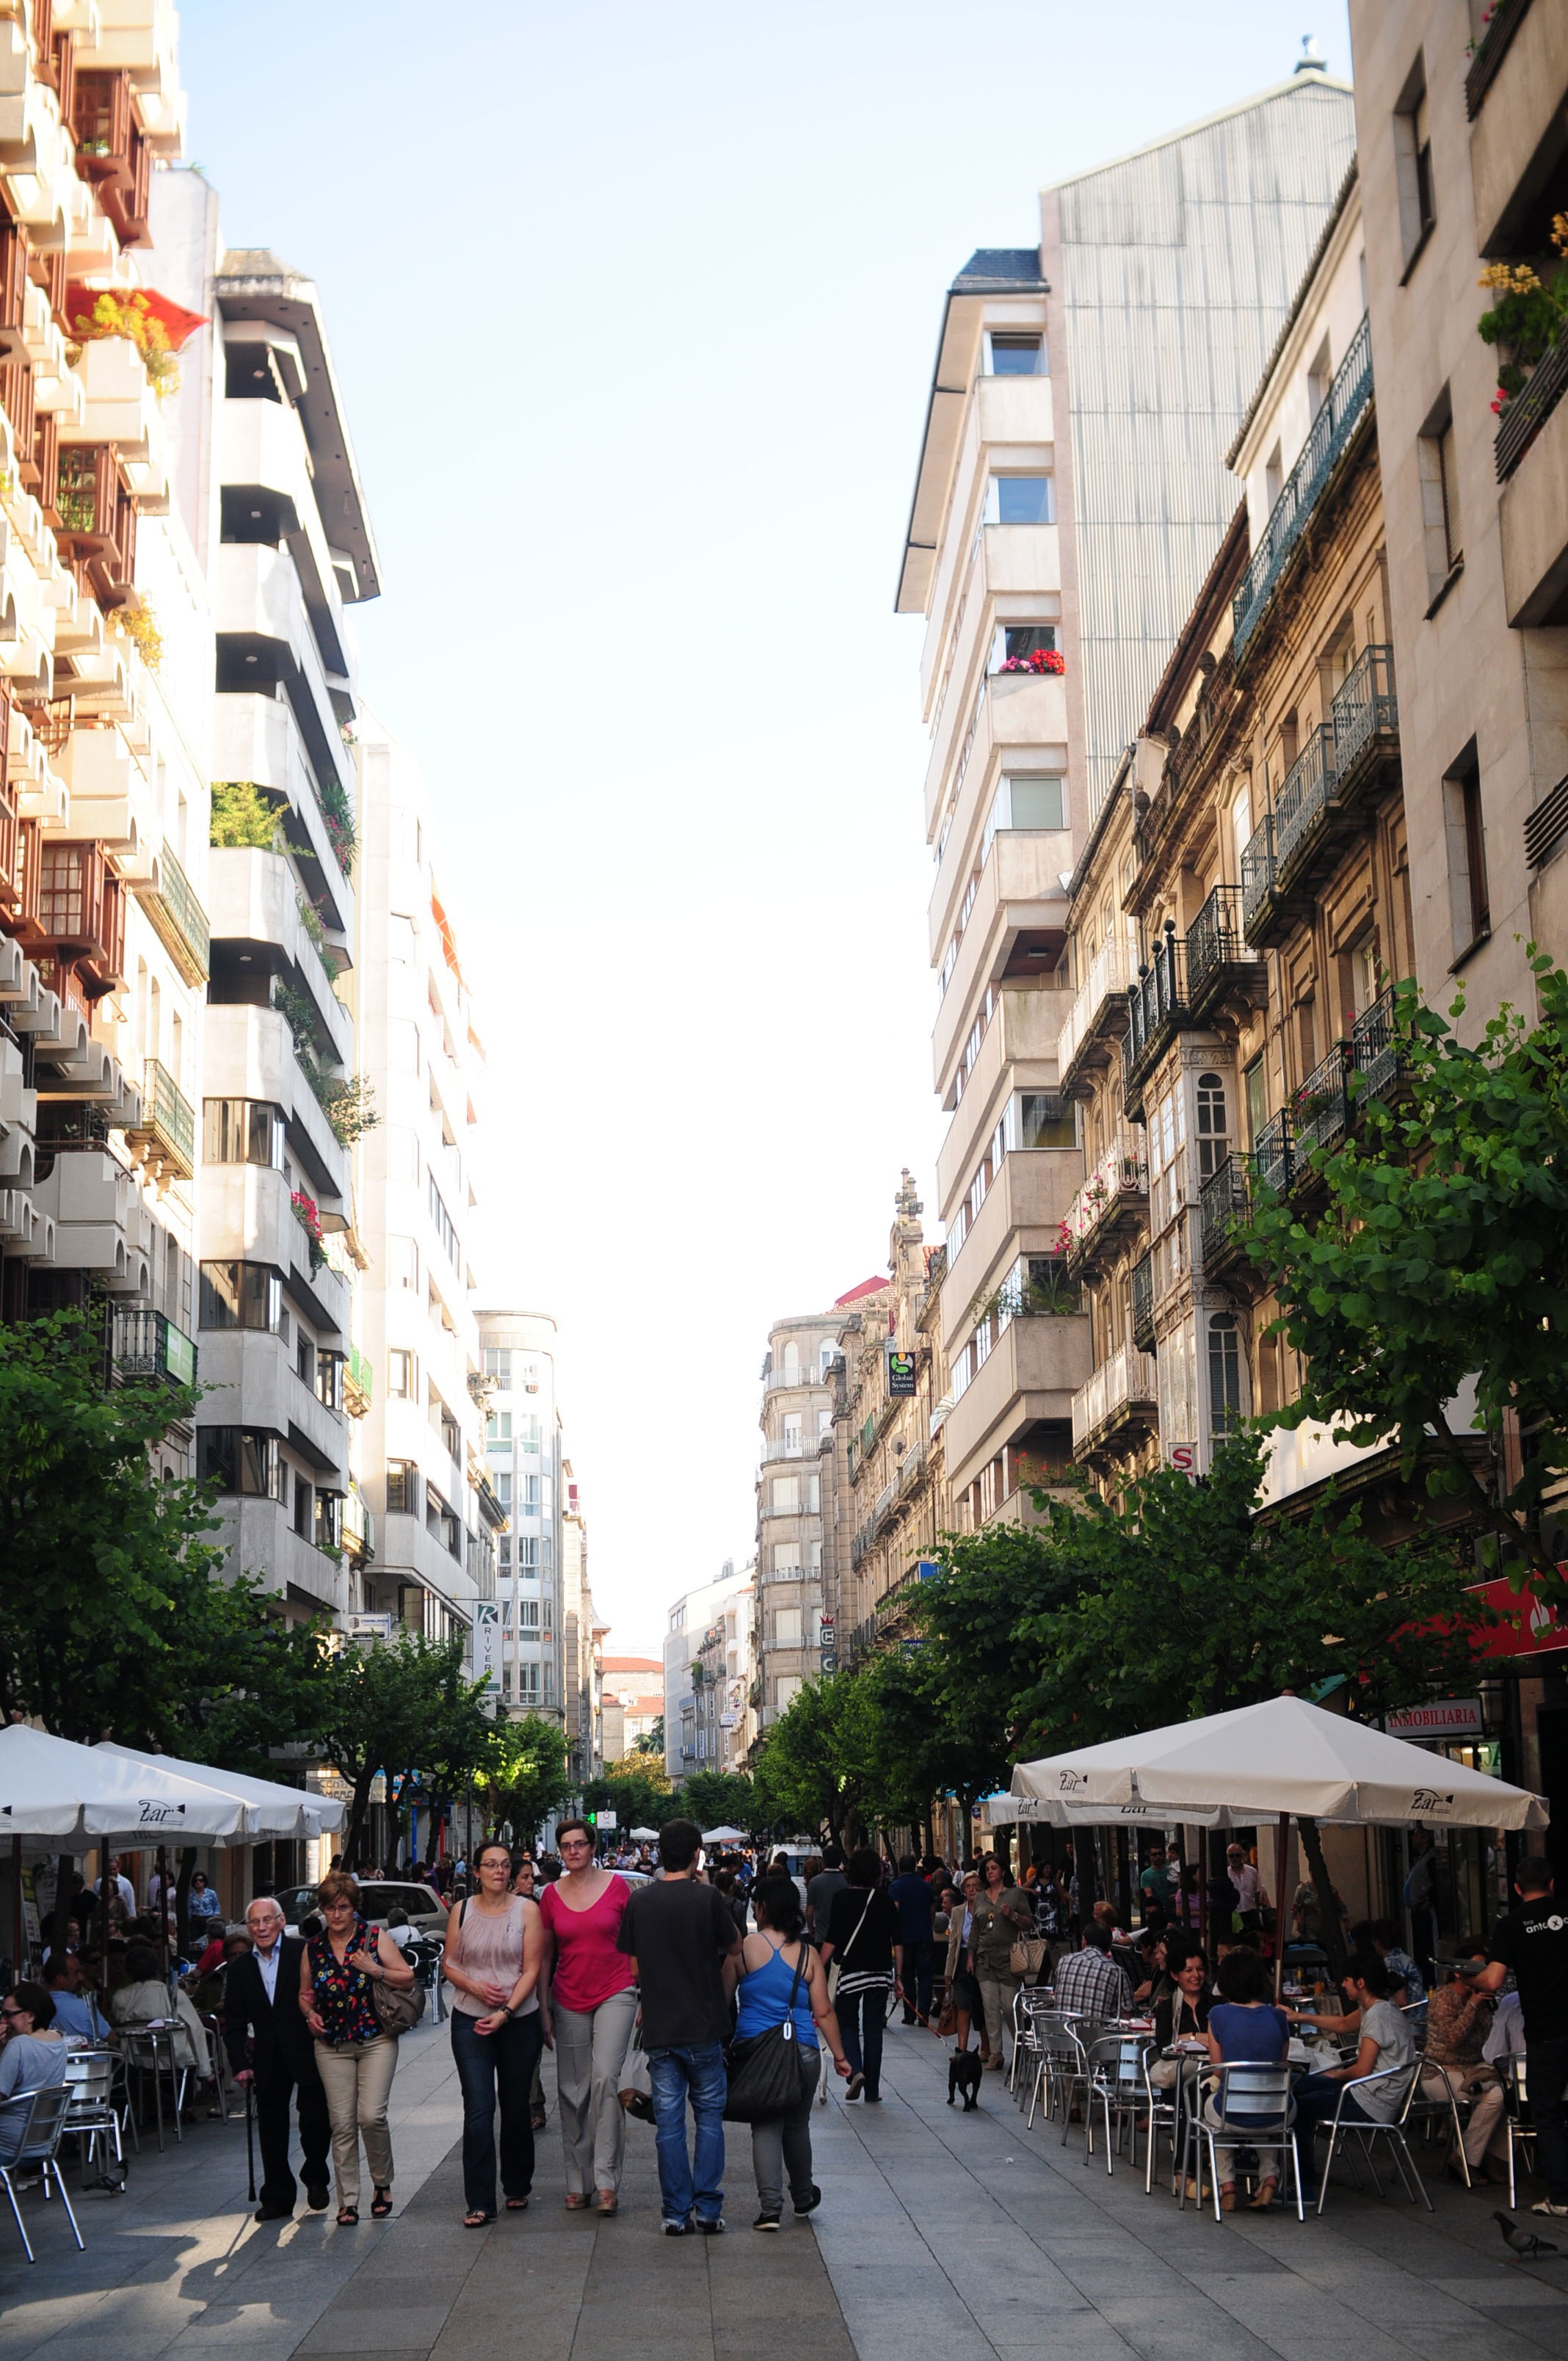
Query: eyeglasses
{"type": "Point", "coordinates": [575, 1844]}
{"type": "Point", "coordinates": [14, 2012]}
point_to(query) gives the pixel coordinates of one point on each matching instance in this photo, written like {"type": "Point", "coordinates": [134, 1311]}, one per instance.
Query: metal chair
{"type": "Point", "coordinates": [150, 2049]}
{"type": "Point", "coordinates": [1065, 2067]}
{"type": "Point", "coordinates": [1117, 2085]}
{"type": "Point", "coordinates": [42, 2115]}
{"type": "Point", "coordinates": [1517, 2118]}
{"type": "Point", "coordinates": [1401, 2081]}
{"type": "Point", "coordinates": [92, 2115]}
{"type": "Point", "coordinates": [1256, 2108]}
{"type": "Point", "coordinates": [1164, 2109]}
{"type": "Point", "coordinates": [1029, 2007]}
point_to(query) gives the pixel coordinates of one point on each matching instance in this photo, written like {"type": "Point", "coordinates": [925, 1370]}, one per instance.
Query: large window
{"type": "Point", "coordinates": [242, 1131]}
{"type": "Point", "coordinates": [1021, 500]}
{"type": "Point", "coordinates": [1014, 644]}
{"type": "Point", "coordinates": [240, 1459]}
{"type": "Point", "coordinates": [1025, 800]}
{"type": "Point", "coordinates": [1046, 1120]}
{"type": "Point", "coordinates": [241, 1295]}
{"type": "Point", "coordinates": [402, 1376]}
{"type": "Point", "coordinates": [497, 1429]}
{"type": "Point", "coordinates": [1225, 1371]}
{"type": "Point", "coordinates": [330, 1368]}
{"type": "Point", "coordinates": [1014, 355]}
{"type": "Point", "coordinates": [1213, 1128]}
{"type": "Point", "coordinates": [402, 1484]}
{"type": "Point", "coordinates": [498, 1365]}
{"type": "Point", "coordinates": [442, 1221]}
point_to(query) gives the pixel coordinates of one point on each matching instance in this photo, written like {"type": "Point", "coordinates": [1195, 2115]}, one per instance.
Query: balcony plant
{"type": "Point", "coordinates": [308, 1216]}
{"type": "Point", "coordinates": [1526, 318]}
{"type": "Point", "coordinates": [1042, 660]}
{"type": "Point", "coordinates": [347, 1102]}
{"type": "Point", "coordinates": [137, 621]}
{"type": "Point", "coordinates": [128, 314]}
{"type": "Point", "coordinates": [337, 813]}
{"type": "Point", "coordinates": [243, 818]}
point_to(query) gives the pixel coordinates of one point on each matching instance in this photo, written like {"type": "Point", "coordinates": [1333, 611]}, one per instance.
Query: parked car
{"type": "Point", "coordinates": [417, 1906]}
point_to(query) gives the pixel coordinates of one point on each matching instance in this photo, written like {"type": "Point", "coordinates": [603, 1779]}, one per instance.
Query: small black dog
{"type": "Point", "coordinates": [963, 2074]}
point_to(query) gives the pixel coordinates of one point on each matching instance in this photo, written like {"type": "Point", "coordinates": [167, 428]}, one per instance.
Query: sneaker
{"type": "Point", "coordinates": [873, 2098]}
{"type": "Point", "coordinates": [766, 2222]}
{"type": "Point", "coordinates": [812, 2202]}
{"type": "Point", "coordinates": [854, 2086]}
{"type": "Point", "coordinates": [677, 2229]}
{"type": "Point", "coordinates": [710, 2229]}
{"type": "Point", "coordinates": [1558, 2213]}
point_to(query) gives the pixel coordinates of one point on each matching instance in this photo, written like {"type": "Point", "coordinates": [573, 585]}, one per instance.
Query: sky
{"type": "Point", "coordinates": [634, 312]}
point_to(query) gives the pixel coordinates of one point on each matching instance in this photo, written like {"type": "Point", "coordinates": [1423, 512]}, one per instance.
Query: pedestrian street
{"type": "Point", "coordinates": [960, 2235]}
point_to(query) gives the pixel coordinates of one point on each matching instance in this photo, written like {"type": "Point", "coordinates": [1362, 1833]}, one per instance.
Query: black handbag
{"type": "Point", "coordinates": [767, 2073]}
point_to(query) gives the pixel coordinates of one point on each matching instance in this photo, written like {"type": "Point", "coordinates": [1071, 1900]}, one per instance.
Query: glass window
{"type": "Point", "coordinates": [242, 1131]}
{"type": "Point", "coordinates": [1023, 500]}
{"type": "Point", "coordinates": [240, 1459]}
{"type": "Point", "coordinates": [1214, 1142]}
{"type": "Point", "coordinates": [241, 1295]}
{"type": "Point", "coordinates": [402, 1376]}
{"type": "Point", "coordinates": [1256, 1083]}
{"type": "Point", "coordinates": [330, 1368]}
{"type": "Point", "coordinates": [1225, 1371]}
{"type": "Point", "coordinates": [528, 1614]}
{"type": "Point", "coordinates": [498, 1365]}
{"type": "Point", "coordinates": [1016, 354]}
{"type": "Point", "coordinates": [402, 1482]}
{"type": "Point", "coordinates": [1044, 1121]}
{"type": "Point", "coordinates": [498, 1428]}
{"type": "Point", "coordinates": [1036, 799]}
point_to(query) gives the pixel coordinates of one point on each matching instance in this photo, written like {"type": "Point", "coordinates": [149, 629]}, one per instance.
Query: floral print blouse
{"type": "Point", "coordinates": [343, 1993]}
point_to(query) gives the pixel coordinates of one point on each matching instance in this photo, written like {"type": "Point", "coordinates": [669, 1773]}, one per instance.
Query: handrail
{"type": "Point", "coordinates": [1330, 430]}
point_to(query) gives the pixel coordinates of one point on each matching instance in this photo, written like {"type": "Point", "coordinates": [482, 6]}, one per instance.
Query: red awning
{"type": "Point", "coordinates": [182, 324]}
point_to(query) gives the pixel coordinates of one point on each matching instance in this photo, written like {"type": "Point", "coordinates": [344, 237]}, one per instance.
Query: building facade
{"type": "Point", "coordinates": [524, 1449]}
{"type": "Point", "coordinates": [694, 1708]}
{"type": "Point", "coordinates": [1070, 495]}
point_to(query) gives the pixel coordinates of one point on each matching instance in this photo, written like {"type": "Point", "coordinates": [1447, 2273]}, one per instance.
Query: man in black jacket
{"type": "Point", "coordinates": [262, 1993]}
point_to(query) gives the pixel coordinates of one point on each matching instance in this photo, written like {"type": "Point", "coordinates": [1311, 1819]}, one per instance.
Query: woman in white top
{"type": "Point", "coordinates": [495, 1946]}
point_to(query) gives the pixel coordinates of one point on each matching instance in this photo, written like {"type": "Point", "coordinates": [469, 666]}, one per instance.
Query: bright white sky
{"type": "Point", "coordinates": [633, 311]}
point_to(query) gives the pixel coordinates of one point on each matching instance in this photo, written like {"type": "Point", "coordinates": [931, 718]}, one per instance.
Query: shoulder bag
{"type": "Point", "coordinates": [837, 1962]}
{"type": "Point", "coordinates": [396, 2012]}
{"type": "Point", "coordinates": [767, 2076]}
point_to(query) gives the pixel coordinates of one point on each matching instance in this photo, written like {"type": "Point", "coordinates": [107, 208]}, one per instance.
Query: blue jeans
{"type": "Point", "coordinates": [1316, 2098]}
{"type": "Point", "coordinates": [674, 2074]}
{"type": "Point", "coordinates": [488, 2064]}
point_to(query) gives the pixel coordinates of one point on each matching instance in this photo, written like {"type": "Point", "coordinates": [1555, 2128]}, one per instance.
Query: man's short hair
{"type": "Point", "coordinates": [906, 1865]}
{"type": "Point", "coordinates": [1533, 1875]}
{"type": "Point", "coordinates": [1096, 1935]}
{"type": "Point", "coordinates": [680, 1841]}
{"type": "Point", "coordinates": [264, 1902]}
{"type": "Point", "coordinates": [57, 1966]}
{"type": "Point", "coordinates": [833, 1856]}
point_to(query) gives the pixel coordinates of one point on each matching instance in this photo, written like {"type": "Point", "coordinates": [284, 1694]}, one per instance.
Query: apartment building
{"type": "Point", "coordinates": [104, 672]}
{"type": "Point", "coordinates": [426, 1474]}
{"type": "Point", "coordinates": [631, 1702]}
{"type": "Point", "coordinates": [693, 1707]}
{"type": "Point", "coordinates": [1464, 143]}
{"type": "Point", "coordinates": [1070, 495]}
{"type": "Point", "coordinates": [523, 1444]}
{"type": "Point", "coordinates": [885, 1498]}
{"type": "Point", "coordinates": [582, 1636]}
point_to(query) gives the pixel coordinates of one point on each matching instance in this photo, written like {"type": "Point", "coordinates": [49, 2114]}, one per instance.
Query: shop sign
{"type": "Point", "coordinates": [900, 1374]}
{"type": "Point", "coordinates": [1444, 1719]}
{"type": "Point", "coordinates": [1531, 1626]}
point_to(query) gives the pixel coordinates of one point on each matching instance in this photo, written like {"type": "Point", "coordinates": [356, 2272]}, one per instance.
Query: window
{"type": "Point", "coordinates": [1412, 162]}
{"type": "Point", "coordinates": [528, 1614]}
{"type": "Point", "coordinates": [791, 1437]}
{"type": "Point", "coordinates": [786, 1561]}
{"type": "Point", "coordinates": [1254, 1083]}
{"type": "Point", "coordinates": [1214, 1142]}
{"type": "Point", "coordinates": [1025, 799]}
{"type": "Point", "coordinates": [1241, 826]}
{"type": "Point", "coordinates": [1014, 644]}
{"type": "Point", "coordinates": [305, 1359]}
{"type": "Point", "coordinates": [503, 1487]}
{"type": "Point", "coordinates": [528, 1683]}
{"type": "Point", "coordinates": [787, 1627]}
{"type": "Point", "coordinates": [528, 1556]}
{"type": "Point", "coordinates": [443, 1220]}
{"type": "Point", "coordinates": [330, 1370]}
{"type": "Point", "coordinates": [498, 1365]}
{"type": "Point", "coordinates": [1469, 902]}
{"type": "Point", "coordinates": [401, 1488]}
{"type": "Point", "coordinates": [1013, 355]}
{"type": "Point", "coordinates": [402, 1263]}
{"type": "Point", "coordinates": [239, 1459]}
{"type": "Point", "coordinates": [1273, 476]}
{"type": "Point", "coordinates": [528, 1497]}
{"type": "Point", "coordinates": [1045, 1121]}
{"type": "Point", "coordinates": [1020, 500]}
{"type": "Point", "coordinates": [302, 1508]}
{"type": "Point", "coordinates": [242, 1131]}
{"type": "Point", "coordinates": [1436, 462]}
{"type": "Point", "coordinates": [786, 1688]}
{"type": "Point", "coordinates": [1225, 1371]}
{"type": "Point", "coordinates": [1320, 377]}
{"type": "Point", "coordinates": [241, 1295]}
{"type": "Point", "coordinates": [497, 1429]}
{"type": "Point", "coordinates": [527, 1430]}
{"type": "Point", "coordinates": [786, 1494]}
{"type": "Point", "coordinates": [402, 1376]}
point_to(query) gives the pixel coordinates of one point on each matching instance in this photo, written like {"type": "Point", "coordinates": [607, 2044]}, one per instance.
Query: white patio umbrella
{"type": "Point", "coordinates": [1051, 1811]}
{"type": "Point", "coordinates": [76, 1796]}
{"type": "Point", "coordinates": [279, 1811]}
{"type": "Point", "coordinates": [645, 1836]}
{"type": "Point", "coordinates": [723, 1835]}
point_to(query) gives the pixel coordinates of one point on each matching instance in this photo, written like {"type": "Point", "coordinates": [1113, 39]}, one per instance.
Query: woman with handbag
{"type": "Point", "coordinates": [1001, 1917]}
{"type": "Point", "coordinates": [495, 1945]}
{"type": "Point", "coordinates": [782, 1982]}
{"type": "Point", "coordinates": [342, 1972]}
{"type": "Point", "coordinates": [865, 1950]}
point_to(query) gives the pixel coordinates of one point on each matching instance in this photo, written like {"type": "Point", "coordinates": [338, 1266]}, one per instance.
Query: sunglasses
{"type": "Point", "coordinates": [14, 2012]}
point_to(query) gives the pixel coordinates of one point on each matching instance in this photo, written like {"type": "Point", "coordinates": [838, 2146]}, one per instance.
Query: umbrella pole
{"type": "Point", "coordinates": [1281, 1838]}
{"type": "Point", "coordinates": [18, 1937]}
{"type": "Point", "coordinates": [163, 1908]}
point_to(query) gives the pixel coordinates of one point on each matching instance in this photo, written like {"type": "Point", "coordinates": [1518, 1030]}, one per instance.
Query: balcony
{"type": "Point", "coordinates": [165, 1139]}
{"type": "Point", "coordinates": [180, 922]}
{"type": "Point", "coordinates": [1097, 1017]}
{"type": "Point", "coordinates": [357, 1384]}
{"type": "Point", "coordinates": [1367, 724]}
{"type": "Point", "coordinates": [1224, 1201]}
{"type": "Point", "coordinates": [1220, 962]}
{"type": "Point", "coordinates": [1157, 1011]}
{"type": "Point", "coordinates": [1376, 1053]}
{"type": "Point", "coordinates": [1117, 1406]}
{"type": "Point", "coordinates": [1257, 882]}
{"type": "Point", "coordinates": [146, 1345]}
{"type": "Point", "coordinates": [1143, 1303]}
{"type": "Point", "coordinates": [1345, 405]}
{"type": "Point", "coordinates": [1111, 1205]}
{"type": "Point", "coordinates": [1319, 1112]}
{"type": "Point", "coordinates": [1505, 19]}
{"type": "Point", "coordinates": [792, 1374]}
{"type": "Point", "coordinates": [1306, 806]}
{"type": "Point", "coordinates": [788, 1446]}
{"type": "Point", "coordinates": [1272, 1162]}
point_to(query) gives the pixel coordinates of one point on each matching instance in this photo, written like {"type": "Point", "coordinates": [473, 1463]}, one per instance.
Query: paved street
{"type": "Point", "coordinates": [940, 2233]}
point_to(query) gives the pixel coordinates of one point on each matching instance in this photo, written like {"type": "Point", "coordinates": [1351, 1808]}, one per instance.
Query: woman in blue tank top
{"type": "Point", "coordinates": [776, 1960]}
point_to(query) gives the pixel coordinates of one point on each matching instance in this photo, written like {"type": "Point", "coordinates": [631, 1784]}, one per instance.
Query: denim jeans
{"type": "Point", "coordinates": [488, 2063]}
{"type": "Point", "coordinates": [919, 1967]}
{"type": "Point", "coordinates": [675, 2074]}
{"type": "Point", "coordinates": [861, 2016]}
{"type": "Point", "coordinates": [1316, 2098]}
{"type": "Point", "coordinates": [1546, 2072]}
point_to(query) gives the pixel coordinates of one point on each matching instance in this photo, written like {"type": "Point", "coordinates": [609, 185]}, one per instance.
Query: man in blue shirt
{"type": "Point", "coordinates": [911, 1894]}
{"type": "Point", "coordinates": [75, 2011]}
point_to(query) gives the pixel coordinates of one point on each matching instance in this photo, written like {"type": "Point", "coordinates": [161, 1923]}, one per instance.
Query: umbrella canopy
{"type": "Point", "coordinates": [1283, 1756]}
{"type": "Point", "coordinates": [281, 1811]}
{"type": "Point", "coordinates": [77, 1795]}
{"type": "Point", "coordinates": [645, 1836]}
{"type": "Point", "coordinates": [1052, 1812]}
{"type": "Point", "coordinates": [723, 1835]}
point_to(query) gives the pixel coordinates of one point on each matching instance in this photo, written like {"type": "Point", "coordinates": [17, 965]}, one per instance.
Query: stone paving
{"type": "Point", "coordinates": [959, 2236]}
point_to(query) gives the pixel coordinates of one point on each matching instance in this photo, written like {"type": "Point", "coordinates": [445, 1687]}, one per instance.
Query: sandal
{"type": "Point", "coordinates": [349, 2217]}
{"type": "Point", "coordinates": [576, 2201]}
{"type": "Point", "coordinates": [516, 2204]}
{"type": "Point", "coordinates": [1265, 2197]}
{"type": "Point", "coordinates": [381, 2204]}
{"type": "Point", "coordinates": [608, 2203]}
{"type": "Point", "coordinates": [477, 2221]}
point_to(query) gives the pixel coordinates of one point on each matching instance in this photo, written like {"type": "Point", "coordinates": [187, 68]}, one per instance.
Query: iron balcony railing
{"type": "Point", "coordinates": [1224, 1200]}
{"type": "Point", "coordinates": [1215, 941]}
{"type": "Point", "coordinates": [1143, 1303]}
{"type": "Point", "coordinates": [1528, 412]}
{"type": "Point", "coordinates": [1321, 1109]}
{"type": "Point", "coordinates": [1156, 1002]}
{"type": "Point", "coordinates": [1376, 1051]}
{"type": "Point", "coordinates": [180, 921]}
{"type": "Point", "coordinates": [1107, 981]}
{"type": "Point", "coordinates": [1118, 1386]}
{"type": "Point", "coordinates": [1306, 797]}
{"type": "Point", "coordinates": [1120, 1175]}
{"type": "Point", "coordinates": [147, 1345]}
{"type": "Point", "coordinates": [1272, 1161]}
{"type": "Point", "coordinates": [1330, 430]}
{"type": "Point", "coordinates": [168, 1116]}
{"type": "Point", "coordinates": [1503, 21]}
{"type": "Point", "coordinates": [1257, 874]}
{"type": "Point", "coordinates": [1365, 709]}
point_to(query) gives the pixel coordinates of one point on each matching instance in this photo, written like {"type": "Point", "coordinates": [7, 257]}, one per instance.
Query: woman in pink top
{"type": "Point", "coordinates": [590, 2010]}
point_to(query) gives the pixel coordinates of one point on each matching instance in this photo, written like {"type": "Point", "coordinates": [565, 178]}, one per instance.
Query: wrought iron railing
{"type": "Point", "coordinates": [1504, 20]}
{"type": "Point", "coordinates": [168, 1113]}
{"type": "Point", "coordinates": [1143, 1303]}
{"type": "Point", "coordinates": [1214, 942]}
{"type": "Point", "coordinates": [1528, 412]}
{"type": "Point", "coordinates": [1158, 1002]}
{"type": "Point", "coordinates": [1306, 796]}
{"type": "Point", "coordinates": [1321, 1108]}
{"type": "Point", "coordinates": [1224, 1200]}
{"type": "Point", "coordinates": [1376, 1051]}
{"type": "Point", "coordinates": [1365, 709]}
{"type": "Point", "coordinates": [1330, 430]}
{"type": "Point", "coordinates": [180, 920]}
{"type": "Point", "coordinates": [1272, 1161]}
{"type": "Point", "coordinates": [1120, 1175]}
{"type": "Point", "coordinates": [147, 1345]}
{"type": "Point", "coordinates": [1257, 874]}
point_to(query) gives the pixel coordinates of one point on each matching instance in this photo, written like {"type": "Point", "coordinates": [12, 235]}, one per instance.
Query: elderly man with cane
{"type": "Point", "coordinates": [261, 1996]}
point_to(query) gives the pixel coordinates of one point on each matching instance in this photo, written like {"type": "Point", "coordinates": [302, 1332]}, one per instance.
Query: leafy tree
{"type": "Point", "coordinates": [637, 1795]}
{"type": "Point", "coordinates": [1442, 1254]}
{"type": "Point", "coordinates": [717, 1799]}
{"type": "Point", "coordinates": [402, 1706]}
{"type": "Point", "coordinates": [810, 1771]}
{"type": "Point", "coordinates": [526, 1778]}
{"type": "Point", "coordinates": [652, 1740]}
{"type": "Point", "coordinates": [988, 1587]}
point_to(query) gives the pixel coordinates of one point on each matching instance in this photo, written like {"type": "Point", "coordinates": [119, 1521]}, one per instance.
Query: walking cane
{"type": "Point", "coordinates": [250, 2155]}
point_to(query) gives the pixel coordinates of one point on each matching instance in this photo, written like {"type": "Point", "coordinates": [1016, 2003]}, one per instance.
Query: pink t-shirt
{"type": "Point", "coordinates": [588, 1966]}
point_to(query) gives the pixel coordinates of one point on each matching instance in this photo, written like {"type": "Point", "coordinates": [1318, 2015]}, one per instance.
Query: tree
{"type": "Point", "coordinates": [1441, 1256]}
{"type": "Point", "coordinates": [526, 1778]}
{"type": "Point", "coordinates": [810, 1771]}
{"type": "Point", "coordinates": [101, 1560]}
{"type": "Point", "coordinates": [652, 1740]}
{"type": "Point", "coordinates": [229, 1680]}
{"type": "Point", "coordinates": [637, 1796]}
{"type": "Point", "coordinates": [717, 1799]}
{"type": "Point", "coordinates": [402, 1706]}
